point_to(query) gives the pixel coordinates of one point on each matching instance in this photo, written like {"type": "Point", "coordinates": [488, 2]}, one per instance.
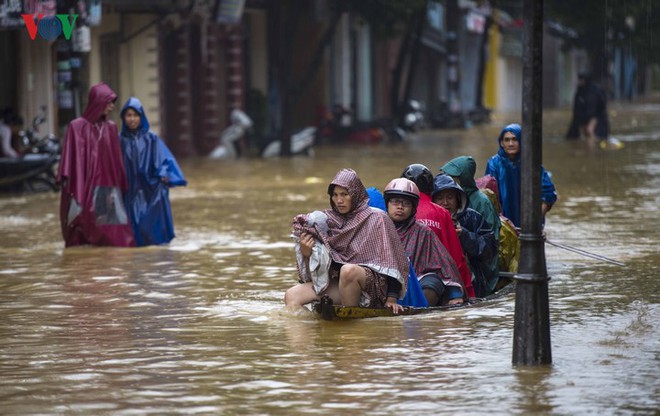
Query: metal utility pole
{"type": "Point", "coordinates": [531, 332]}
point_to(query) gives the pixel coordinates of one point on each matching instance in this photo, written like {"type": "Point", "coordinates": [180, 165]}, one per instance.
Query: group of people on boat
{"type": "Point", "coordinates": [115, 185]}
{"type": "Point", "coordinates": [424, 241]}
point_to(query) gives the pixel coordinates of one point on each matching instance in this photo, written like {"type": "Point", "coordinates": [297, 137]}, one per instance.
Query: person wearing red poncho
{"type": "Point", "coordinates": [92, 177]}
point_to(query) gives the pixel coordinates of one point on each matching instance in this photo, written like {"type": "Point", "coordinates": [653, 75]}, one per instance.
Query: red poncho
{"type": "Point", "coordinates": [93, 178]}
{"type": "Point", "coordinates": [439, 220]}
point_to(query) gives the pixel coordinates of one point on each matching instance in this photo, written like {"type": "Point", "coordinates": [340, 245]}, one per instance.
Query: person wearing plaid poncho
{"type": "Point", "coordinates": [350, 252]}
{"type": "Point", "coordinates": [438, 275]}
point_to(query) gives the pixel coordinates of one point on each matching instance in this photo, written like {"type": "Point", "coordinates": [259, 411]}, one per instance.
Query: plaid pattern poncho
{"type": "Point", "coordinates": [363, 236]}
{"type": "Point", "coordinates": [427, 253]}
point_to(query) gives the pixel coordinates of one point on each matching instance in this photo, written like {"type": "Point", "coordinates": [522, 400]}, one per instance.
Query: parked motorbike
{"type": "Point", "coordinates": [302, 142]}
{"type": "Point", "coordinates": [440, 116]}
{"type": "Point", "coordinates": [335, 125]}
{"type": "Point", "coordinates": [240, 123]}
{"type": "Point", "coordinates": [34, 144]}
{"type": "Point", "coordinates": [36, 169]}
{"type": "Point", "coordinates": [413, 116]}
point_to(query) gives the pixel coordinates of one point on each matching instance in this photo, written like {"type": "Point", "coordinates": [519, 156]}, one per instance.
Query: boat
{"type": "Point", "coordinates": [330, 312]}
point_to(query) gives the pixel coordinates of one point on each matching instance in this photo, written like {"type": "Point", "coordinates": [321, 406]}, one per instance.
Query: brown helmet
{"type": "Point", "coordinates": [402, 187]}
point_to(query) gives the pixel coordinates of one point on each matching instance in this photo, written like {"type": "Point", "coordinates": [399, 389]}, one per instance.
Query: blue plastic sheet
{"type": "Point", "coordinates": [414, 295]}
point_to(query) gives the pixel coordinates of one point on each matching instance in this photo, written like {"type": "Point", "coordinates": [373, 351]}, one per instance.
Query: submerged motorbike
{"type": "Point", "coordinates": [240, 124]}
{"type": "Point", "coordinates": [413, 116]}
{"type": "Point", "coordinates": [338, 125]}
{"type": "Point", "coordinates": [36, 169]}
{"type": "Point", "coordinates": [301, 142]}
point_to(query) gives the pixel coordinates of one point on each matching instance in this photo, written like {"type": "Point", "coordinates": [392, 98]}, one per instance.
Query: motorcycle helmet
{"type": "Point", "coordinates": [402, 187]}
{"type": "Point", "coordinates": [421, 176]}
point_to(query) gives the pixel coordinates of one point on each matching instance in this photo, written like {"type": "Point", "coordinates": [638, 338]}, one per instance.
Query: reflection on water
{"type": "Point", "coordinates": [199, 326]}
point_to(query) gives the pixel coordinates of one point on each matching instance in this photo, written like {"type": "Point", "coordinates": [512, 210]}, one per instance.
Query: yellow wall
{"type": "Point", "coordinates": [490, 82]}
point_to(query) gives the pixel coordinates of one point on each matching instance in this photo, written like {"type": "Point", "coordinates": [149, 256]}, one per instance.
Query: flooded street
{"type": "Point", "coordinates": [199, 327]}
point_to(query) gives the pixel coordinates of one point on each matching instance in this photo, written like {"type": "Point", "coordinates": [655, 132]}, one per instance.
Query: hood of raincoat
{"type": "Point", "coordinates": [348, 178]}
{"type": "Point", "coordinates": [515, 129]}
{"type": "Point", "coordinates": [464, 168]}
{"type": "Point", "coordinates": [444, 181]}
{"type": "Point", "coordinates": [100, 95]}
{"type": "Point", "coordinates": [136, 105]}
{"type": "Point", "coordinates": [376, 199]}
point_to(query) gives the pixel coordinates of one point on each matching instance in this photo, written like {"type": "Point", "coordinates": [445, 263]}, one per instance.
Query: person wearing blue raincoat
{"type": "Point", "coordinates": [151, 170]}
{"type": "Point", "coordinates": [505, 168]}
{"type": "Point", "coordinates": [376, 199]}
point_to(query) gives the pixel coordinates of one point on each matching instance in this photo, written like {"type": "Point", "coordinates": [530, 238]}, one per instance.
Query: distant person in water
{"type": "Point", "coordinates": [590, 118]}
{"type": "Point", "coordinates": [350, 252]}
{"type": "Point", "coordinates": [505, 168]}
{"type": "Point", "coordinates": [151, 170]}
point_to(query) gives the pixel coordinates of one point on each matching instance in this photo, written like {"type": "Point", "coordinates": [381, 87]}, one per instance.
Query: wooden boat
{"type": "Point", "coordinates": [331, 312]}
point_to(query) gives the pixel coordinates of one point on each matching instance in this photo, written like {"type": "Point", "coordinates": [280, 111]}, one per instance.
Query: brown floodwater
{"type": "Point", "coordinates": [199, 327]}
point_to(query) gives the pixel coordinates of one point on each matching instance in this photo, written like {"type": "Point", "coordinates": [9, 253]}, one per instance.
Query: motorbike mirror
{"type": "Point", "coordinates": [37, 121]}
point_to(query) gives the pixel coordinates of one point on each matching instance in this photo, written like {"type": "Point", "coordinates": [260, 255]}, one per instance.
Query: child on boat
{"type": "Point", "coordinates": [350, 252]}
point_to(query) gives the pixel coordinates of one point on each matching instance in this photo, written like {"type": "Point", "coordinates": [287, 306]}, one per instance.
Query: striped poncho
{"type": "Point", "coordinates": [427, 253]}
